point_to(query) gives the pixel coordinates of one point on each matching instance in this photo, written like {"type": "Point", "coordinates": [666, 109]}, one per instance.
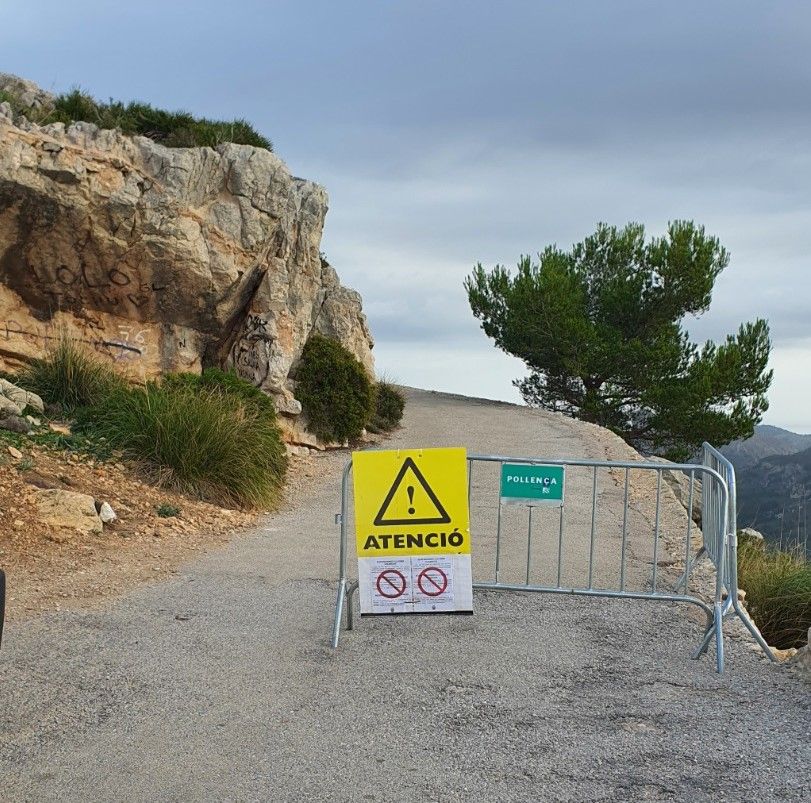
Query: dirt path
{"type": "Point", "coordinates": [218, 684]}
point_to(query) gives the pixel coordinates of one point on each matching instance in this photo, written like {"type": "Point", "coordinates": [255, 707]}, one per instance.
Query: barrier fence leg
{"type": "Point", "coordinates": [714, 628]}
{"type": "Point", "coordinates": [339, 610]}
{"type": "Point", "coordinates": [350, 606]}
{"type": "Point", "coordinates": [752, 628]}
{"type": "Point", "coordinates": [719, 638]}
{"type": "Point", "coordinates": [705, 642]}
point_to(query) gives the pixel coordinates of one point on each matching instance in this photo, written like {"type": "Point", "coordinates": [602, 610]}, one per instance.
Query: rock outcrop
{"type": "Point", "coordinates": [66, 511]}
{"type": "Point", "coordinates": [162, 259]}
{"type": "Point", "coordinates": [801, 661]}
{"type": "Point", "coordinates": [13, 399]}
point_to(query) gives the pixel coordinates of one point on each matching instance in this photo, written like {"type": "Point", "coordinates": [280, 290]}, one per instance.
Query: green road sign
{"type": "Point", "coordinates": [524, 484]}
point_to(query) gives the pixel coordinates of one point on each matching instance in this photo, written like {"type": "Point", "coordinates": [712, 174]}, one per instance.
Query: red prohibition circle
{"type": "Point", "coordinates": [430, 585]}
{"type": "Point", "coordinates": [391, 584]}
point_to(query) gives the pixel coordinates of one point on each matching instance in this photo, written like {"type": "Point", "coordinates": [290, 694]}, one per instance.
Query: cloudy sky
{"type": "Point", "coordinates": [449, 133]}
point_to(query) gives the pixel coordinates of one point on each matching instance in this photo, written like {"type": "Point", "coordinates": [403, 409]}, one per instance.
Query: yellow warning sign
{"type": "Point", "coordinates": [411, 502]}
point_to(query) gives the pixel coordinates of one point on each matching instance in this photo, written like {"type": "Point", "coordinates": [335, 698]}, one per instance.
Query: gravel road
{"type": "Point", "coordinates": [219, 684]}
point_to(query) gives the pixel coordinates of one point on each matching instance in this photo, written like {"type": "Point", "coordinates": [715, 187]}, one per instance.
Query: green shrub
{"type": "Point", "coordinates": [389, 406]}
{"type": "Point", "coordinates": [167, 511]}
{"type": "Point", "coordinates": [778, 592]}
{"type": "Point", "coordinates": [174, 129]}
{"type": "Point", "coordinates": [70, 376]}
{"type": "Point", "coordinates": [226, 382]}
{"type": "Point", "coordinates": [334, 389]}
{"type": "Point", "coordinates": [200, 439]}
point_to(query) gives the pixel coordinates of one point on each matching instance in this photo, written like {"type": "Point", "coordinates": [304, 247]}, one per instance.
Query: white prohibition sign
{"type": "Point", "coordinates": [391, 584]}
{"type": "Point", "coordinates": [432, 581]}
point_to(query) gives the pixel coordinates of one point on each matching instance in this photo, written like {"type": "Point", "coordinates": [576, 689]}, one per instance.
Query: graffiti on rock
{"type": "Point", "coordinates": [250, 355]}
{"type": "Point", "coordinates": [65, 286]}
{"type": "Point", "coordinates": [129, 345]}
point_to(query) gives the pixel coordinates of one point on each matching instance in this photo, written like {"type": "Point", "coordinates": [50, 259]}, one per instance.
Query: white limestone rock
{"type": "Point", "coordinates": [160, 258]}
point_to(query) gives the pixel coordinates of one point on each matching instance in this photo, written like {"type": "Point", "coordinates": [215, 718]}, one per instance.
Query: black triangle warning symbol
{"type": "Point", "coordinates": [409, 468]}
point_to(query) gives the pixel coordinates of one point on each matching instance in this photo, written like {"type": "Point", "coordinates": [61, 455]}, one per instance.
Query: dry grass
{"type": "Point", "coordinates": [70, 376]}
{"type": "Point", "coordinates": [202, 440]}
{"type": "Point", "coordinates": [778, 592]}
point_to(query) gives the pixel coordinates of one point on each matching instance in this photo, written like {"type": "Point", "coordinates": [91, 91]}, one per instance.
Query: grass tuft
{"type": "Point", "coordinates": [778, 592]}
{"type": "Point", "coordinates": [69, 375]}
{"type": "Point", "coordinates": [176, 129]}
{"type": "Point", "coordinates": [388, 408]}
{"type": "Point", "coordinates": [203, 440]}
{"type": "Point", "coordinates": [167, 511]}
{"type": "Point", "coordinates": [226, 382]}
{"type": "Point", "coordinates": [215, 435]}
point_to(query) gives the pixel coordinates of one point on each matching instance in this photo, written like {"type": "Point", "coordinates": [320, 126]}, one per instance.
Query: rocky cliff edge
{"type": "Point", "coordinates": [163, 259]}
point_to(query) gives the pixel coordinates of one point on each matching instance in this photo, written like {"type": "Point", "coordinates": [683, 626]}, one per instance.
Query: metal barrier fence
{"type": "Point", "coordinates": [713, 513]}
{"type": "Point", "coordinates": [588, 553]}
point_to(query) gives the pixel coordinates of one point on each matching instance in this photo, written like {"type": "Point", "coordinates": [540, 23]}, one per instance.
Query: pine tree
{"type": "Point", "coordinates": [600, 328]}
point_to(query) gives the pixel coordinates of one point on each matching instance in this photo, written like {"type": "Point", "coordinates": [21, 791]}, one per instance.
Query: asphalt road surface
{"type": "Point", "coordinates": [219, 684]}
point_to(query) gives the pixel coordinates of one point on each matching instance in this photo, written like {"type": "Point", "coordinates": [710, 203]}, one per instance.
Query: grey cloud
{"type": "Point", "coordinates": [450, 133]}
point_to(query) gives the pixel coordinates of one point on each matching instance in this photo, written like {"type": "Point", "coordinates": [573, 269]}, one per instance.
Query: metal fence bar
{"type": "Point", "coordinates": [656, 529]}
{"type": "Point", "coordinates": [599, 592]}
{"type": "Point", "coordinates": [350, 608]}
{"type": "Point", "coordinates": [719, 639]}
{"type": "Point", "coordinates": [709, 519]}
{"type": "Point", "coordinates": [624, 531]}
{"type": "Point", "coordinates": [556, 461]}
{"type": "Point", "coordinates": [713, 526]}
{"type": "Point", "coordinates": [689, 541]}
{"type": "Point", "coordinates": [714, 458]}
{"type": "Point", "coordinates": [593, 524]}
{"type": "Point", "coordinates": [717, 533]}
{"type": "Point", "coordinates": [498, 530]}
{"type": "Point", "coordinates": [342, 584]}
{"type": "Point", "coordinates": [560, 546]}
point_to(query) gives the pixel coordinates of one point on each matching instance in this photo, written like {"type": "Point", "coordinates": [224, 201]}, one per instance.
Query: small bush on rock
{"type": "Point", "coordinates": [175, 129]}
{"type": "Point", "coordinates": [334, 389]}
{"type": "Point", "coordinates": [389, 406]}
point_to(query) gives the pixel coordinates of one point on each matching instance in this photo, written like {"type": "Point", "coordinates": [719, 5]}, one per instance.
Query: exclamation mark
{"type": "Point", "coordinates": [410, 491]}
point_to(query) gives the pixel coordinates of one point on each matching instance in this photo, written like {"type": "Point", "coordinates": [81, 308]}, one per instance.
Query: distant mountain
{"type": "Point", "coordinates": [766, 441]}
{"type": "Point", "coordinates": [774, 495]}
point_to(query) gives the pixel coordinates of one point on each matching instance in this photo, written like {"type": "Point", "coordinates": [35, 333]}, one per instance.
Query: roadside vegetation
{"type": "Point", "coordinates": [206, 441]}
{"type": "Point", "coordinates": [213, 435]}
{"type": "Point", "coordinates": [338, 397]}
{"type": "Point", "coordinates": [335, 391]}
{"type": "Point", "coordinates": [69, 376]}
{"type": "Point", "coordinates": [176, 129]}
{"type": "Point", "coordinates": [778, 591]}
{"type": "Point", "coordinates": [389, 404]}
